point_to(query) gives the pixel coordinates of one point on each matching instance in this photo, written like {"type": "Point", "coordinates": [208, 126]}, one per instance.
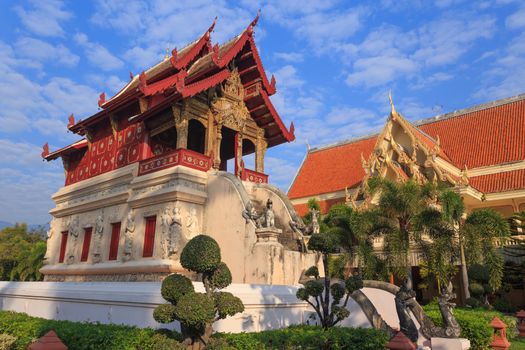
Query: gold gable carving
{"type": "Point", "coordinates": [230, 110]}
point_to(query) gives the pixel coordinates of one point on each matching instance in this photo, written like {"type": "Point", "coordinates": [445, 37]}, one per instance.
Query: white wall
{"type": "Point", "coordinates": [132, 303]}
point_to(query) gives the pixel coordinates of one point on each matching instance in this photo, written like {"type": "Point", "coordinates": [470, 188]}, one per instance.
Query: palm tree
{"type": "Point", "coordinates": [398, 206]}
{"type": "Point", "coordinates": [481, 231]}
{"type": "Point", "coordinates": [353, 231]}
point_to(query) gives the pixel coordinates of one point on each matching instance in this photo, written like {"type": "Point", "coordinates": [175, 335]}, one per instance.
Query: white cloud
{"type": "Point", "coordinates": [291, 57]}
{"type": "Point", "coordinates": [97, 54]}
{"type": "Point", "coordinates": [45, 17]}
{"type": "Point", "coordinates": [517, 19]}
{"type": "Point", "coordinates": [42, 51]}
{"type": "Point", "coordinates": [379, 70]}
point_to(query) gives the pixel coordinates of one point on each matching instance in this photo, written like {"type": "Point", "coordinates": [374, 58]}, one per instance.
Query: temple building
{"type": "Point", "coordinates": [480, 151]}
{"type": "Point", "coordinates": [151, 171]}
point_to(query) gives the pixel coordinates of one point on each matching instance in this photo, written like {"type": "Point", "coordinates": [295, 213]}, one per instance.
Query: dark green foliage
{"type": "Point", "coordinates": [86, 336]}
{"type": "Point", "coordinates": [221, 277]}
{"type": "Point", "coordinates": [175, 286]}
{"type": "Point", "coordinates": [476, 289]}
{"type": "Point", "coordinates": [227, 304]}
{"type": "Point", "coordinates": [201, 254]}
{"type": "Point", "coordinates": [353, 283]}
{"type": "Point", "coordinates": [338, 291]}
{"type": "Point", "coordinates": [312, 271]}
{"type": "Point", "coordinates": [164, 313]}
{"type": "Point", "coordinates": [475, 324]}
{"type": "Point", "coordinates": [195, 310]}
{"type": "Point", "coordinates": [302, 294]}
{"type": "Point", "coordinates": [503, 305]}
{"type": "Point", "coordinates": [323, 242]}
{"type": "Point", "coordinates": [472, 302]}
{"type": "Point", "coordinates": [307, 337]}
{"type": "Point", "coordinates": [314, 288]}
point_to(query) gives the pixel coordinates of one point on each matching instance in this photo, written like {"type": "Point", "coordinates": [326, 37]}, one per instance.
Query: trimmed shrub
{"type": "Point", "coordinates": [307, 337]}
{"type": "Point", "coordinates": [227, 304]}
{"type": "Point", "coordinates": [195, 309]}
{"type": "Point", "coordinates": [221, 277]}
{"type": "Point", "coordinates": [164, 313]}
{"type": "Point", "coordinates": [472, 302]}
{"type": "Point", "coordinates": [475, 324]}
{"type": "Point", "coordinates": [84, 336]}
{"type": "Point", "coordinates": [476, 289]}
{"type": "Point", "coordinates": [201, 254]}
{"type": "Point", "coordinates": [323, 243]}
{"type": "Point", "coordinates": [503, 305]}
{"type": "Point", "coordinates": [174, 286]}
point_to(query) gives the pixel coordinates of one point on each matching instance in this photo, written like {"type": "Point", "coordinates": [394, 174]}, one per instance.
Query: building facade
{"type": "Point", "coordinates": [151, 172]}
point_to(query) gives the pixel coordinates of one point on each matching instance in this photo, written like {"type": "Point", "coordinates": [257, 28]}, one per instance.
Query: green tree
{"type": "Point", "coordinates": [352, 229]}
{"type": "Point", "coordinates": [398, 206]}
{"type": "Point", "coordinates": [21, 253]}
{"type": "Point", "coordinates": [196, 312]}
{"type": "Point", "coordinates": [328, 298]}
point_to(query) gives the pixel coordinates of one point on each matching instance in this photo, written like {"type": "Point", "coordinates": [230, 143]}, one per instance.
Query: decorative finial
{"type": "Point", "coordinates": [101, 99]}
{"type": "Point", "coordinates": [71, 121]}
{"type": "Point", "coordinates": [130, 75]}
{"type": "Point", "coordinates": [45, 151]}
{"type": "Point", "coordinates": [393, 112]}
{"type": "Point", "coordinates": [167, 54]}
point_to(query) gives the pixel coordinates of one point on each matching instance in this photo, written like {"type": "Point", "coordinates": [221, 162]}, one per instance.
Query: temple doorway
{"type": "Point", "coordinates": [227, 147]}
{"type": "Point", "coordinates": [196, 136]}
{"type": "Point", "coordinates": [248, 152]}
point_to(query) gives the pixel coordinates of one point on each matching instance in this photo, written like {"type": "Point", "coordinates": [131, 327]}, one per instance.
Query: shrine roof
{"type": "Point", "coordinates": [499, 182]}
{"type": "Point", "coordinates": [196, 68]}
{"type": "Point", "coordinates": [332, 168]}
{"type": "Point", "coordinates": [65, 150]}
{"type": "Point", "coordinates": [483, 135]}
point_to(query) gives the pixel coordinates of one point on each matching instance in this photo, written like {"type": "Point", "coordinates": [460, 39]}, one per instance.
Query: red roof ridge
{"type": "Point", "coordinates": [343, 142]}
{"type": "Point", "coordinates": [475, 108]}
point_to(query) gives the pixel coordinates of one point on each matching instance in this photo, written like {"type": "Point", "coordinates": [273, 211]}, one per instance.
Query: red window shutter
{"type": "Point", "coordinates": [87, 242]}
{"type": "Point", "coordinates": [63, 243]}
{"type": "Point", "coordinates": [149, 237]}
{"type": "Point", "coordinates": [115, 237]}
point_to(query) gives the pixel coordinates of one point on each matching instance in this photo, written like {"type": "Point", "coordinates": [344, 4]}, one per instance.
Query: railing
{"type": "Point", "coordinates": [180, 156]}
{"type": "Point", "coordinates": [254, 176]}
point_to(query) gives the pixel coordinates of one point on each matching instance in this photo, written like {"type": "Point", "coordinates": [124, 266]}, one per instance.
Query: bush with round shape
{"type": "Point", "coordinates": [312, 271]}
{"type": "Point", "coordinates": [314, 288]}
{"type": "Point", "coordinates": [353, 283]}
{"type": "Point", "coordinates": [201, 254]}
{"type": "Point", "coordinates": [323, 242]}
{"type": "Point", "coordinates": [302, 294]}
{"type": "Point", "coordinates": [221, 277]}
{"type": "Point", "coordinates": [227, 304]}
{"type": "Point", "coordinates": [476, 290]}
{"type": "Point", "coordinates": [175, 286]}
{"type": "Point", "coordinates": [164, 313]}
{"type": "Point", "coordinates": [472, 302]}
{"type": "Point", "coordinates": [337, 290]}
{"type": "Point", "coordinates": [195, 310]}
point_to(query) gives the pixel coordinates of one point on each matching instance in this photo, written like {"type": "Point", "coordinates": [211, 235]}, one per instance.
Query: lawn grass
{"type": "Point", "coordinates": [517, 344]}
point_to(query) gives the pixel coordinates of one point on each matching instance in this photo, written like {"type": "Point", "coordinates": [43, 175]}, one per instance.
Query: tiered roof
{"type": "Point", "coordinates": [192, 70]}
{"type": "Point", "coordinates": [481, 136]}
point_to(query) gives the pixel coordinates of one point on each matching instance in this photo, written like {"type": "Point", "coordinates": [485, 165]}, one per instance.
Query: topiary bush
{"type": "Point", "coordinates": [327, 298]}
{"type": "Point", "coordinates": [196, 312]}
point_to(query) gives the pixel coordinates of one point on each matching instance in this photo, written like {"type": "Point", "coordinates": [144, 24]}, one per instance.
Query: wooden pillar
{"type": "Point", "coordinates": [181, 124]}
{"type": "Point", "coordinates": [217, 151]}
{"type": "Point", "coordinates": [260, 150]}
{"type": "Point", "coordinates": [237, 151]}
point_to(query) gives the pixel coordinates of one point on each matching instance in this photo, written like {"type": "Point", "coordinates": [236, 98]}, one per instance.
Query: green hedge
{"type": "Point", "coordinates": [475, 324]}
{"type": "Point", "coordinates": [305, 337]}
{"type": "Point", "coordinates": [88, 336]}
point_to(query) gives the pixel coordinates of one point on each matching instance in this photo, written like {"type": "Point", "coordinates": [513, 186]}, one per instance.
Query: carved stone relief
{"type": "Point", "coordinates": [171, 229]}
{"type": "Point", "coordinates": [127, 254]}
{"type": "Point", "coordinates": [74, 233]}
{"type": "Point", "coordinates": [192, 224]}
{"type": "Point", "coordinates": [98, 237]}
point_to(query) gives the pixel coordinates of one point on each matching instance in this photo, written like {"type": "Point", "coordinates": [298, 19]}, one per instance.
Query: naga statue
{"type": "Point", "coordinates": [406, 298]}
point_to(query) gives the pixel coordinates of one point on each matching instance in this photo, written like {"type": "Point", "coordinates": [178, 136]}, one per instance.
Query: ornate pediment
{"type": "Point", "coordinates": [229, 109]}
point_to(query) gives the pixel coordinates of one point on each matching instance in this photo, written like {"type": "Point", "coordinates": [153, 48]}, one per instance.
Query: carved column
{"type": "Point", "coordinates": [260, 150]}
{"type": "Point", "coordinates": [217, 151]}
{"type": "Point", "coordinates": [238, 153]}
{"type": "Point", "coordinates": [181, 124]}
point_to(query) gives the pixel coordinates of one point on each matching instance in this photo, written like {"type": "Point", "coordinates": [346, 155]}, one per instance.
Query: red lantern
{"type": "Point", "coordinates": [521, 323]}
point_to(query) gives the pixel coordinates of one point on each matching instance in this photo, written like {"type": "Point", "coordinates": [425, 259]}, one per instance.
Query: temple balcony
{"type": "Point", "coordinates": [181, 156]}
{"type": "Point", "coordinates": [253, 176]}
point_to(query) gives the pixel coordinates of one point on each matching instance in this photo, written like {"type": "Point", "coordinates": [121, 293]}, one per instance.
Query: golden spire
{"type": "Point", "coordinates": [393, 112]}
{"type": "Point", "coordinates": [167, 54]}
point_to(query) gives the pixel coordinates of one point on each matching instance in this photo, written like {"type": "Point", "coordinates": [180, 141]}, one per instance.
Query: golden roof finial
{"type": "Point", "coordinates": [393, 111]}
{"type": "Point", "coordinates": [167, 54]}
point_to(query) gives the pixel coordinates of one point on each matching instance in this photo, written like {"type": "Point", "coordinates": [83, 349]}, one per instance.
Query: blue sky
{"type": "Point", "coordinates": [334, 61]}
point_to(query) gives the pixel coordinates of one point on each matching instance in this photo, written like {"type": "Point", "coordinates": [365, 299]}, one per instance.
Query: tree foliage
{"type": "Point", "coordinates": [21, 253]}
{"type": "Point", "coordinates": [324, 295]}
{"type": "Point", "coordinates": [197, 311]}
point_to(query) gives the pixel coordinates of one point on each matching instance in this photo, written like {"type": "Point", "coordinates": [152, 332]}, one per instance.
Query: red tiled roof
{"type": "Point", "coordinates": [302, 209]}
{"type": "Point", "coordinates": [483, 137]}
{"type": "Point", "coordinates": [332, 169]}
{"type": "Point", "coordinates": [500, 182]}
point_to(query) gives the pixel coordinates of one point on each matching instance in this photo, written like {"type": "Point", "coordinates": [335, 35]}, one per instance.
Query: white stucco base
{"type": "Point", "coordinates": [132, 303]}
